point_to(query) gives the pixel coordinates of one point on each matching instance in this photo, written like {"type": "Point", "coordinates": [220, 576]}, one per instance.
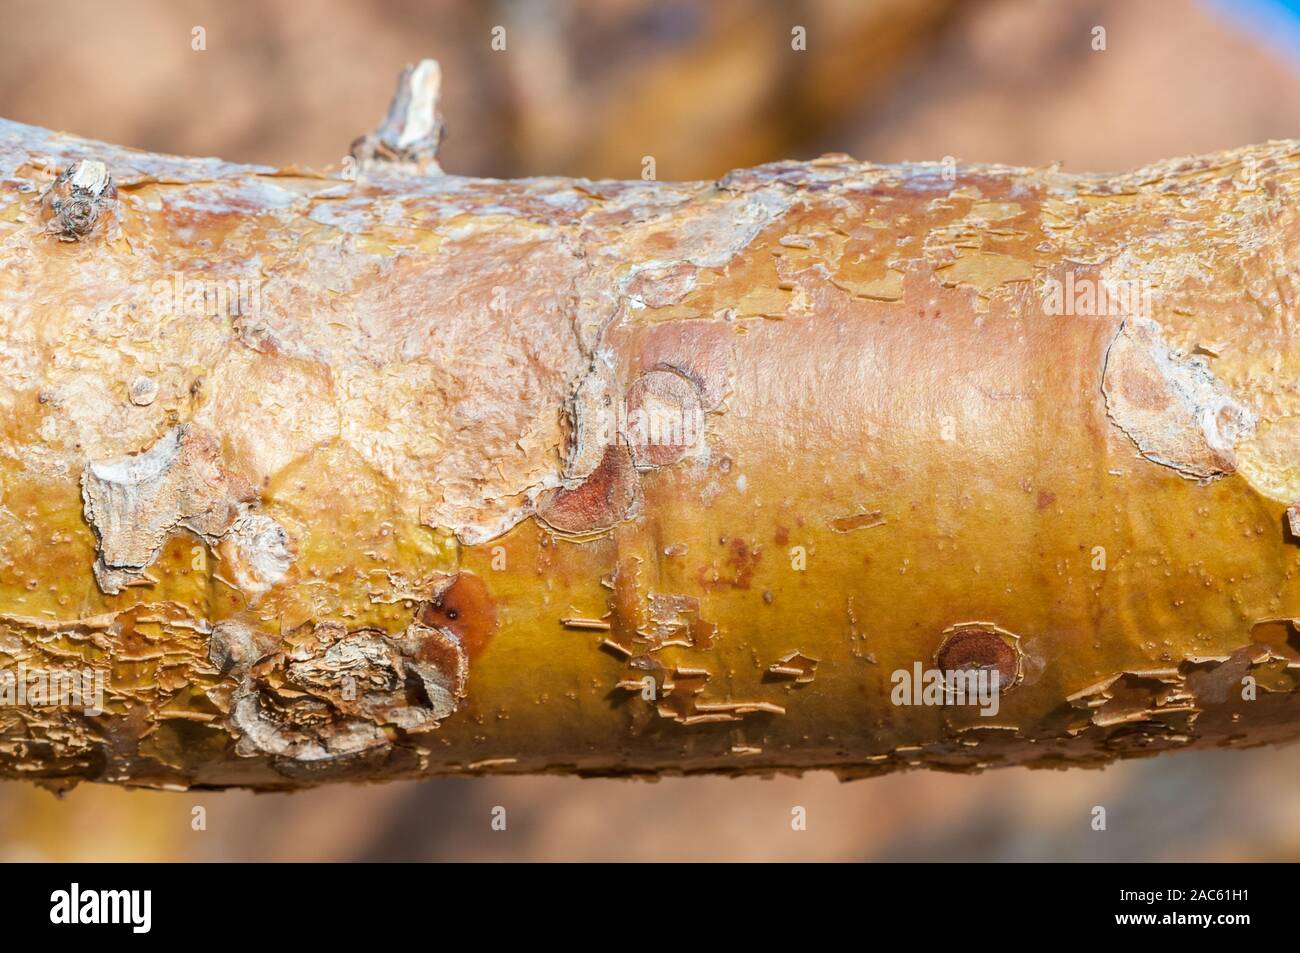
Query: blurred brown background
{"type": "Point", "coordinates": [589, 87]}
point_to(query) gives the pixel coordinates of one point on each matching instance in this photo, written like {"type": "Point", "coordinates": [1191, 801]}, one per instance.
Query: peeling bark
{"type": "Point", "coordinates": [411, 473]}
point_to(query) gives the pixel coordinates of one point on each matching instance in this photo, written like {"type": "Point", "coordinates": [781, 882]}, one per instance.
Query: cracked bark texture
{"type": "Point", "coordinates": [389, 514]}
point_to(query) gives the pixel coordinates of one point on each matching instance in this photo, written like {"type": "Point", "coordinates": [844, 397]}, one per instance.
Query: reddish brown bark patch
{"type": "Point", "coordinates": [466, 609]}
{"type": "Point", "coordinates": [738, 569]}
{"type": "Point", "coordinates": [609, 495]}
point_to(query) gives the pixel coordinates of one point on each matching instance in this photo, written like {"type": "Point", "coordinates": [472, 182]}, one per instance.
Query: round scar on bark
{"type": "Point", "coordinates": [665, 418]}
{"type": "Point", "coordinates": [981, 645]}
{"type": "Point", "coordinates": [143, 391]}
{"type": "Point", "coordinates": [257, 550]}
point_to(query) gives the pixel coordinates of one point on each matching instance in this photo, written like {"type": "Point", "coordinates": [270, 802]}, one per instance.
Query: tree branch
{"type": "Point", "coordinates": [822, 465]}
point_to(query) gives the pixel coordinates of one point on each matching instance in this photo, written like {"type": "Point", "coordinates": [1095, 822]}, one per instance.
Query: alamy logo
{"type": "Point", "coordinates": [1094, 297]}
{"type": "Point", "coordinates": [184, 296]}
{"type": "Point", "coordinates": [962, 686]}
{"type": "Point", "coordinates": [102, 906]}
{"type": "Point", "coordinates": [657, 425]}
{"type": "Point", "coordinates": [25, 687]}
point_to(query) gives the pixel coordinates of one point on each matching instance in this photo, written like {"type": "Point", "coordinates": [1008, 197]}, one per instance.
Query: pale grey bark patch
{"type": "Point", "coordinates": [135, 502]}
